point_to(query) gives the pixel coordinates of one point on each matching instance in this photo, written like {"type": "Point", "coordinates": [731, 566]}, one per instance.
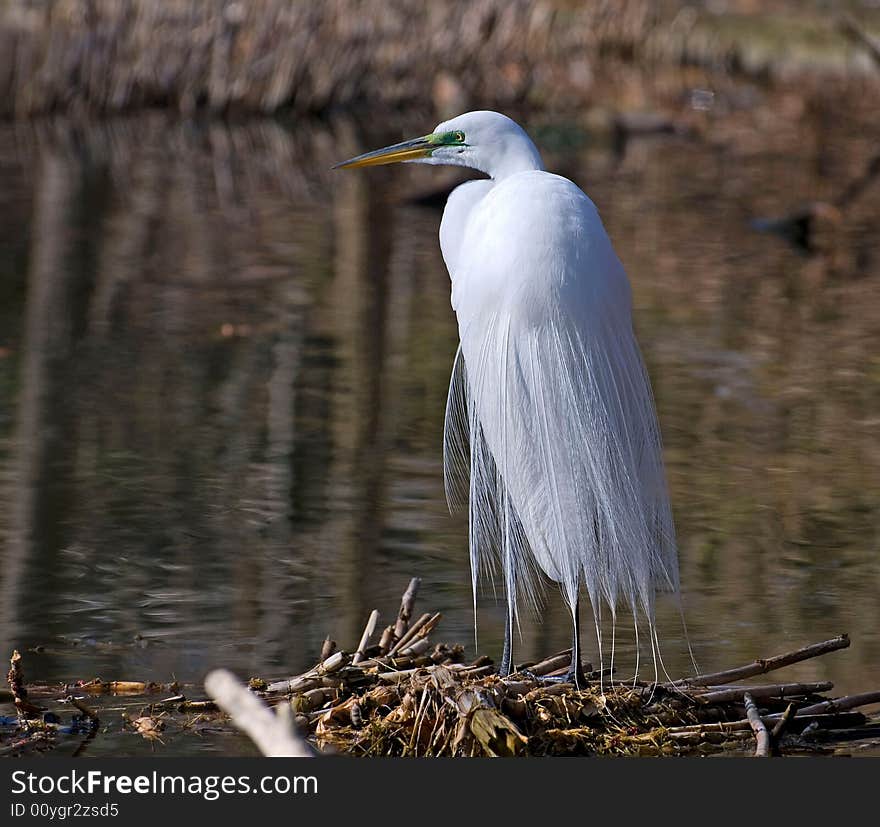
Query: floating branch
{"type": "Point", "coordinates": [761, 667]}
{"type": "Point", "coordinates": [841, 704]}
{"type": "Point", "coordinates": [775, 690]}
{"type": "Point", "coordinates": [272, 732]}
{"type": "Point", "coordinates": [86, 710]}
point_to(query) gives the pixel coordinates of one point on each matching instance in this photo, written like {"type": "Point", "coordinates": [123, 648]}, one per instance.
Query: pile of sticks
{"type": "Point", "coordinates": [407, 696]}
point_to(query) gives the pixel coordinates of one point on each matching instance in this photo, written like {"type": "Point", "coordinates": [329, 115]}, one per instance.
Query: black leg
{"type": "Point", "coordinates": [510, 589]}
{"type": "Point", "coordinates": [506, 656]}
{"type": "Point", "coordinates": [576, 672]}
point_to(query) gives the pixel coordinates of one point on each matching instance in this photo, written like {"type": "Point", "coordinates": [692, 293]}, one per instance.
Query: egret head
{"type": "Point", "coordinates": [487, 141]}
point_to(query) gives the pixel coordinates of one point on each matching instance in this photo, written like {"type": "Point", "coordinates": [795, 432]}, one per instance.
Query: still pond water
{"type": "Point", "coordinates": [223, 371]}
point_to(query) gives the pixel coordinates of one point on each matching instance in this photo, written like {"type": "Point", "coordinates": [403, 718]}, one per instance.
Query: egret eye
{"type": "Point", "coordinates": [459, 136]}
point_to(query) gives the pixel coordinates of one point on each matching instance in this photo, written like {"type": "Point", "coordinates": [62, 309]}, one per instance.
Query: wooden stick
{"type": "Point", "coordinates": [828, 720]}
{"type": "Point", "coordinates": [773, 690]}
{"type": "Point", "coordinates": [418, 635]}
{"type": "Point", "coordinates": [365, 637]}
{"type": "Point", "coordinates": [551, 664]}
{"type": "Point", "coordinates": [15, 678]}
{"type": "Point", "coordinates": [843, 718]}
{"type": "Point", "coordinates": [273, 733]}
{"type": "Point", "coordinates": [406, 607]}
{"type": "Point", "coordinates": [86, 710]}
{"type": "Point", "coordinates": [762, 737]}
{"type": "Point", "coordinates": [760, 667]}
{"type": "Point", "coordinates": [425, 630]}
{"type": "Point", "coordinates": [394, 677]}
{"type": "Point", "coordinates": [477, 671]}
{"type": "Point", "coordinates": [417, 647]}
{"type": "Point", "coordinates": [781, 724]}
{"type": "Point", "coordinates": [718, 726]}
{"type": "Point", "coordinates": [197, 706]}
{"type": "Point", "coordinates": [298, 683]}
{"type": "Point", "coordinates": [841, 704]}
{"type": "Point", "coordinates": [328, 648]}
{"type": "Point", "coordinates": [387, 640]}
{"type": "Point", "coordinates": [409, 634]}
{"type": "Point", "coordinates": [333, 664]}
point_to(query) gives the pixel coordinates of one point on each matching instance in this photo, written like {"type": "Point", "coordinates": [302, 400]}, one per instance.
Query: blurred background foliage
{"type": "Point", "coordinates": [271, 55]}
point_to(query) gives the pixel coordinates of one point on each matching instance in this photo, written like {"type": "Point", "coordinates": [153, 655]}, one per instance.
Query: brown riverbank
{"type": "Point", "coordinates": [275, 55]}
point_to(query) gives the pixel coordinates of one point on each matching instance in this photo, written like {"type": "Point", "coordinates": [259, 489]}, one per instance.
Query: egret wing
{"type": "Point", "coordinates": [557, 391]}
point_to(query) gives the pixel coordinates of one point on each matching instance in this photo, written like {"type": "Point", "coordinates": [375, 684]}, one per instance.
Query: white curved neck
{"type": "Point", "coordinates": [516, 154]}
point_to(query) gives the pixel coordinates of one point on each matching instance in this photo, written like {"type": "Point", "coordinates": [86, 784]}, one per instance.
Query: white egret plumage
{"type": "Point", "coordinates": [551, 436]}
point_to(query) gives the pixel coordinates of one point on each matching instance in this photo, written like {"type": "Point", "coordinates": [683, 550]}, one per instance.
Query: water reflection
{"type": "Point", "coordinates": [224, 371]}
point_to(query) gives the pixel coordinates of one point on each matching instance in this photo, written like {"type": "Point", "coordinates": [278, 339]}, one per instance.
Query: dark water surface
{"type": "Point", "coordinates": [223, 370]}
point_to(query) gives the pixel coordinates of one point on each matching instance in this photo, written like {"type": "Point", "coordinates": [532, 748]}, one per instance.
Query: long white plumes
{"type": "Point", "coordinates": [551, 435]}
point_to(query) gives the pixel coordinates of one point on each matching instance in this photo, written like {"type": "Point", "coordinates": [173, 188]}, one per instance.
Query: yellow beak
{"type": "Point", "coordinates": [405, 151]}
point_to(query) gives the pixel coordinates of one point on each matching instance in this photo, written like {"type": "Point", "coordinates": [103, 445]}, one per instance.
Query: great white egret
{"type": "Point", "coordinates": [551, 436]}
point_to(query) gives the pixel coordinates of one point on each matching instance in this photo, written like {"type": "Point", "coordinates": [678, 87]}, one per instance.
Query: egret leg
{"type": "Point", "coordinates": [507, 653]}
{"type": "Point", "coordinates": [576, 670]}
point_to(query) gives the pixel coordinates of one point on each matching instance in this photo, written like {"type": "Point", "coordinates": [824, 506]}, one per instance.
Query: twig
{"type": "Point", "coordinates": [406, 607]}
{"type": "Point", "coordinates": [779, 728]}
{"type": "Point", "coordinates": [551, 664]}
{"type": "Point", "coordinates": [273, 733]}
{"type": "Point", "coordinates": [842, 704]}
{"type": "Point", "coordinates": [15, 677]}
{"type": "Point", "coordinates": [760, 667]}
{"type": "Point", "coordinates": [298, 683]}
{"type": "Point", "coordinates": [410, 634]}
{"type": "Point", "coordinates": [477, 671]}
{"type": "Point", "coordinates": [387, 640]}
{"type": "Point", "coordinates": [365, 637]}
{"type": "Point", "coordinates": [717, 726]}
{"type": "Point", "coordinates": [396, 676]}
{"type": "Point", "coordinates": [328, 648]}
{"type": "Point", "coordinates": [830, 721]}
{"type": "Point", "coordinates": [774, 690]}
{"type": "Point", "coordinates": [416, 648]}
{"type": "Point", "coordinates": [86, 710]}
{"type": "Point", "coordinates": [762, 737]}
{"type": "Point", "coordinates": [333, 664]}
